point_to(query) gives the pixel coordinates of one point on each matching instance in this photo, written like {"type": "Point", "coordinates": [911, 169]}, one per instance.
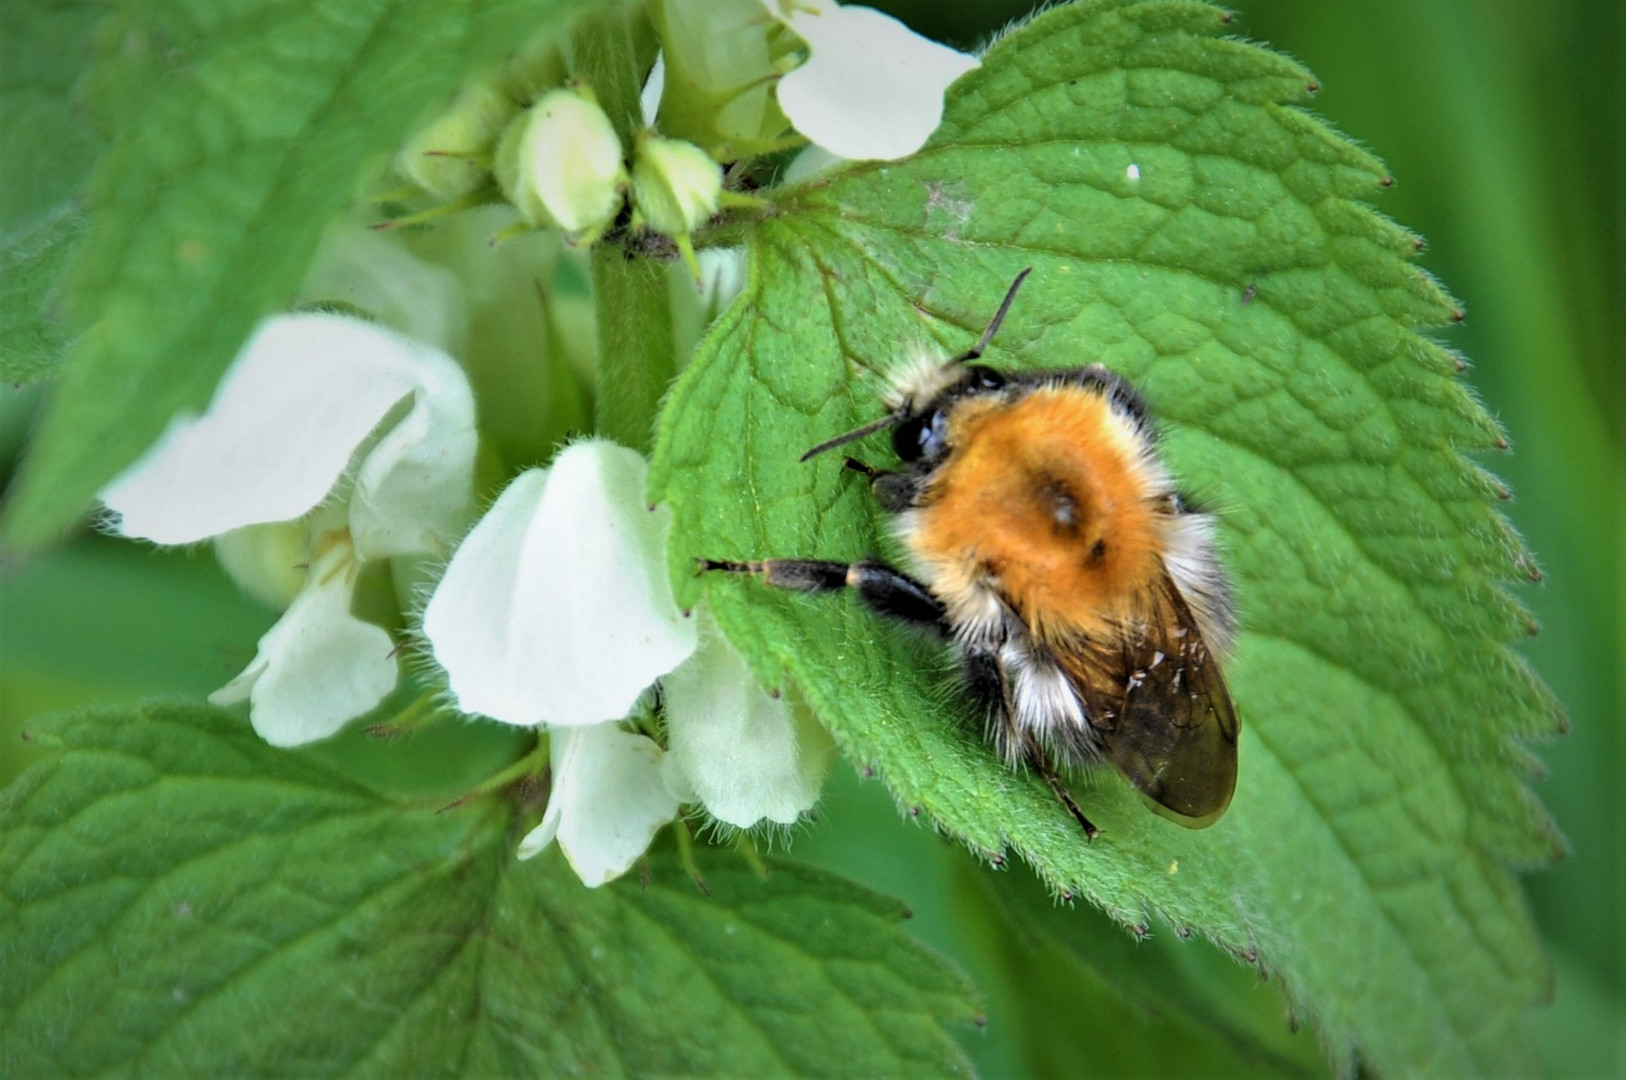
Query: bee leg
{"type": "Point", "coordinates": [885, 590]}
{"type": "Point", "coordinates": [1065, 797]}
{"type": "Point", "coordinates": [854, 465]}
{"type": "Point", "coordinates": [896, 491]}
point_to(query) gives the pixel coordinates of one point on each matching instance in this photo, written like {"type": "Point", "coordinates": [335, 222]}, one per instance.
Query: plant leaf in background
{"type": "Point", "coordinates": [239, 133]}
{"type": "Point", "coordinates": [1192, 229]}
{"type": "Point", "coordinates": [48, 148]}
{"type": "Point", "coordinates": [178, 897]}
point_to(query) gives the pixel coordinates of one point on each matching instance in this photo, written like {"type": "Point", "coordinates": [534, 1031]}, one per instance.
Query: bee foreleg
{"type": "Point", "coordinates": [895, 491]}
{"type": "Point", "coordinates": [885, 590]}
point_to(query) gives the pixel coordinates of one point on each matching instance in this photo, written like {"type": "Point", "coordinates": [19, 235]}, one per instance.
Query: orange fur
{"type": "Point", "coordinates": [1050, 500]}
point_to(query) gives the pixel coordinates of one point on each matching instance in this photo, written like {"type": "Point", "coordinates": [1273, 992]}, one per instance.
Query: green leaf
{"type": "Point", "coordinates": [178, 898]}
{"type": "Point", "coordinates": [48, 148]}
{"type": "Point", "coordinates": [1272, 322]}
{"type": "Point", "coordinates": [237, 132]}
{"type": "Point", "coordinates": [1101, 1001]}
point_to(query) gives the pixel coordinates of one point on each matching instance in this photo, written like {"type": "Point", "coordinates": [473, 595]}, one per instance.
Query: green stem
{"type": "Point", "coordinates": [637, 352]}
{"type": "Point", "coordinates": [610, 50]}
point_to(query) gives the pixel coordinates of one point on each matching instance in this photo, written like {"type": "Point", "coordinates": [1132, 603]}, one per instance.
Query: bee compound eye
{"type": "Point", "coordinates": [920, 436]}
{"type": "Point", "coordinates": [983, 378]}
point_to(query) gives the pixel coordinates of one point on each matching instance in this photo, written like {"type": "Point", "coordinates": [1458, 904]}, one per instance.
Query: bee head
{"type": "Point", "coordinates": [920, 431]}
{"type": "Point", "coordinates": [922, 434]}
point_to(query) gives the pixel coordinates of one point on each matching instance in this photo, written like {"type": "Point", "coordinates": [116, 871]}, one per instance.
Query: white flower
{"type": "Point", "coordinates": [333, 441]}
{"type": "Point", "coordinates": [557, 610]}
{"type": "Point", "coordinates": [871, 87]}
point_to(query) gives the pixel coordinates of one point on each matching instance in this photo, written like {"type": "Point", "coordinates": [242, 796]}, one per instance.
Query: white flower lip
{"type": "Point", "coordinates": [557, 609]}
{"type": "Point", "coordinates": [303, 394]}
{"type": "Point", "coordinates": [871, 89]}
{"type": "Point", "coordinates": [319, 666]}
{"type": "Point", "coordinates": [745, 754]}
{"type": "Point", "coordinates": [607, 801]}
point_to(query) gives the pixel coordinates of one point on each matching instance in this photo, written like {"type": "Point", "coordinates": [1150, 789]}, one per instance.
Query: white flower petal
{"type": "Point", "coordinates": [301, 396]}
{"type": "Point", "coordinates": [557, 606]}
{"type": "Point", "coordinates": [606, 803]}
{"type": "Point", "coordinates": [748, 756]}
{"type": "Point", "coordinates": [319, 666]}
{"type": "Point", "coordinates": [415, 488]}
{"type": "Point", "coordinates": [649, 98]}
{"type": "Point", "coordinates": [813, 160]}
{"type": "Point", "coordinates": [871, 87]}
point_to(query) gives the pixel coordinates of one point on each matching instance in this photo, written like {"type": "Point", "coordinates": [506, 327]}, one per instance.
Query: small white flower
{"type": "Point", "coordinates": [355, 437]}
{"type": "Point", "coordinates": [557, 610]}
{"type": "Point", "coordinates": [871, 87]}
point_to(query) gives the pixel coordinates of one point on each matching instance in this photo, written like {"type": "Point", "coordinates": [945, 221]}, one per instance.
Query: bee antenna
{"type": "Point", "coordinates": [993, 324]}
{"type": "Point", "coordinates": [871, 428]}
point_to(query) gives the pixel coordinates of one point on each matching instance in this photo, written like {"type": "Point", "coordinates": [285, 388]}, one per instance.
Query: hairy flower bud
{"type": "Point", "coordinates": [561, 163]}
{"type": "Point", "coordinates": [448, 156]}
{"type": "Point", "coordinates": [675, 185]}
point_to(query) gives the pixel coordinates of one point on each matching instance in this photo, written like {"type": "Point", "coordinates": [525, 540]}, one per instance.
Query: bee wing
{"type": "Point", "coordinates": [1164, 716]}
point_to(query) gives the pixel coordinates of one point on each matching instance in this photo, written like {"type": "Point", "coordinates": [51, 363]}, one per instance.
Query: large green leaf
{"type": "Point", "coordinates": [237, 131]}
{"type": "Point", "coordinates": [177, 898]}
{"type": "Point", "coordinates": [48, 148]}
{"type": "Point", "coordinates": [1271, 321]}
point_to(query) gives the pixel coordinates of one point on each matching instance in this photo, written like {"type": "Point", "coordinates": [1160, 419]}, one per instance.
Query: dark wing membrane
{"type": "Point", "coordinates": [1161, 709]}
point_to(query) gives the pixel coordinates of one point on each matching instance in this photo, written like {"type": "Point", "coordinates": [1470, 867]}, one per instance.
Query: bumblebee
{"type": "Point", "coordinates": [1047, 541]}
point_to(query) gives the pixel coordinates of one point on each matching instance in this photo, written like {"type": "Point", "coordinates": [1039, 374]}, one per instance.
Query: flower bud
{"type": "Point", "coordinates": [445, 156]}
{"type": "Point", "coordinates": [560, 163]}
{"type": "Point", "coordinates": [675, 185]}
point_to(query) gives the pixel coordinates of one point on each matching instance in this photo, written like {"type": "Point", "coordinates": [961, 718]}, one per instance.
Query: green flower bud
{"type": "Point", "coordinates": [449, 156]}
{"type": "Point", "coordinates": [675, 185]}
{"type": "Point", "coordinates": [561, 164]}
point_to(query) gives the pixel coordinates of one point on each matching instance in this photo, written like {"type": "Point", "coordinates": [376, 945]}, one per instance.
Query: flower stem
{"type": "Point", "coordinates": [637, 349]}
{"type": "Point", "coordinates": [611, 50]}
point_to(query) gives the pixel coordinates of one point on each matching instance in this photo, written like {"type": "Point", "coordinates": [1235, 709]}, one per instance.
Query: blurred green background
{"type": "Point", "coordinates": [1502, 123]}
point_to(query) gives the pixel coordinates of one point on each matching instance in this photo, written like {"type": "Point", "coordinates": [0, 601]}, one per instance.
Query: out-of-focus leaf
{"type": "Point", "coordinates": [237, 131]}
{"type": "Point", "coordinates": [47, 147]}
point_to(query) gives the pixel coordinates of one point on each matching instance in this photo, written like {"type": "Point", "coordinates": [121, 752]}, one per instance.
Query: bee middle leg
{"type": "Point", "coordinates": [1057, 788]}
{"type": "Point", "coordinates": [986, 678]}
{"type": "Point", "coordinates": [886, 590]}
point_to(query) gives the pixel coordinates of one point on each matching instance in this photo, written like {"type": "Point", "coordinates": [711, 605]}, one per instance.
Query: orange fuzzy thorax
{"type": "Point", "coordinates": [1052, 501]}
